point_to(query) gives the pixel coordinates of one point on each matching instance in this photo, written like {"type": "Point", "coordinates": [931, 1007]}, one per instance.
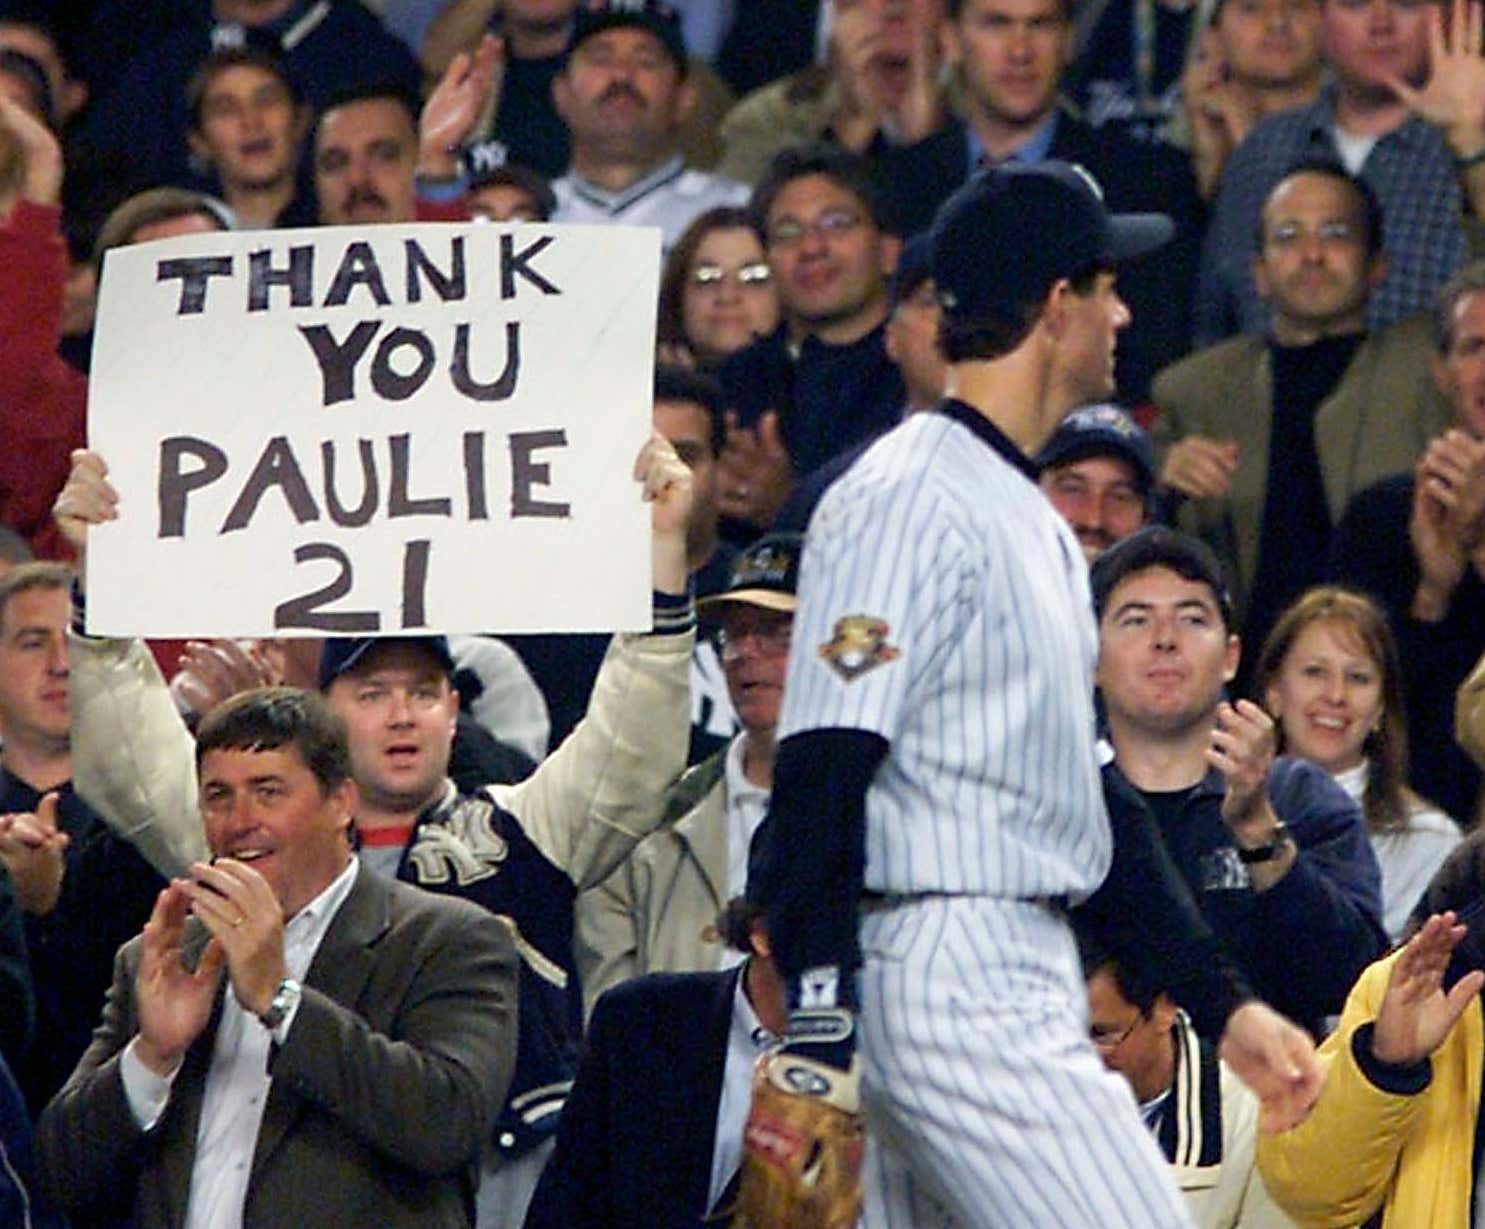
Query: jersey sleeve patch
{"type": "Point", "coordinates": [858, 645]}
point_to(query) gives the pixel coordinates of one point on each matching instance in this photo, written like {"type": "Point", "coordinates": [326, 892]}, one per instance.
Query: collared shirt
{"type": "Point", "coordinates": [668, 197]}
{"type": "Point", "coordinates": [237, 1082]}
{"type": "Point", "coordinates": [746, 806]}
{"type": "Point", "coordinates": [746, 1040]}
{"type": "Point", "coordinates": [1412, 173]}
{"type": "Point", "coordinates": [1034, 149]}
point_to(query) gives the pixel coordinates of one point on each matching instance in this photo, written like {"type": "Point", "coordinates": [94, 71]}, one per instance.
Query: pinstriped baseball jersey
{"type": "Point", "coordinates": [943, 604]}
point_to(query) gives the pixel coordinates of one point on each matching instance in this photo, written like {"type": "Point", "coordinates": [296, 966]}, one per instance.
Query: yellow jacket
{"type": "Point", "coordinates": [1361, 1148]}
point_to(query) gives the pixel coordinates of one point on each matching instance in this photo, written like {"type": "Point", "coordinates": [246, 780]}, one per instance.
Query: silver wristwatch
{"type": "Point", "coordinates": [285, 998]}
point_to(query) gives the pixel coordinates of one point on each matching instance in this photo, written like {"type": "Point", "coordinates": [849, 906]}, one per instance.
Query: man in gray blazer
{"type": "Point", "coordinates": [292, 1040]}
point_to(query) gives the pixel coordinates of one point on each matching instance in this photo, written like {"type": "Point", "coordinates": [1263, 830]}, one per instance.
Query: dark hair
{"type": "Point", "coordinates": [223, 58]}
{"type": "Point", "coordinates": [156, 205]}
{"type": "Point", "coordinates": [375, 91]}
{"type": "Point", "coordinates": [268, 718]}
{"type": "Point", "coordinates": [1387, 799]}
{"type": "Point", "coordinates": [673, 383]}
{"type": "Point", "coordinates": [25, 577]}
{"type": "Point", "coordinates": [736, 921]}
{"type": "Point", "coordinates": [1155, 546]}
{"type": "Point", "coordinates": [1371, 207]}
{"type": "Point", "coordinates": [994, 336]}
{"type": "Point", "coordinates": [852, 172]}
{"type": "Point", "coordinates": [671, 321]}
{"type": "Point", "coordinates": [1466, 281]}
{"type": "Point", "coordinates": [1135, 988]}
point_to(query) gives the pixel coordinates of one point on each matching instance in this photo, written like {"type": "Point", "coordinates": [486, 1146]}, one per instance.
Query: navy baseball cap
{"type": "Point", "coordinates": [766, 575]}
{"type": "Point", "coordinates": [657, 16]}
{"type": "Point", "coordinates": [1003, 239]}
{"type": "Point", "coordinates": [342, 653]}
{"type": "Point", "coordinates": [1102, 430]}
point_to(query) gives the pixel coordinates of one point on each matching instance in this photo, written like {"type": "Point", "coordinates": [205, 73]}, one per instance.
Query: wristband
{"type": "Point", "coordinates": [1474, 159]}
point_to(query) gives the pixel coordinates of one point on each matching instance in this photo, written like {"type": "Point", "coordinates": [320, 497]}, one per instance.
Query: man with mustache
{"type": "Point", "coordinates": [1098, 470]}
{"type": "Point", "coordinates": [624, 94]}
{"type": "Point", "coordinates": [1264, 438]}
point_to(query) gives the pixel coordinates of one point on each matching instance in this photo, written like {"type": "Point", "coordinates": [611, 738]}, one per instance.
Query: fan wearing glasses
{"type": "Point", "coordinates": [1203, 1117]}
{"type": "Point", "coordinates": [822, 382]}
{"type": "Point", "coordinates": [717, 293]}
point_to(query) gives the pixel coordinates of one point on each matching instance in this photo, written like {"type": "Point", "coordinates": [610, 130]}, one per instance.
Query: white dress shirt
{"type": "Point", "coordinates": [237, 1081]}
{"type": "Point", "coordinates": [746, 1040]}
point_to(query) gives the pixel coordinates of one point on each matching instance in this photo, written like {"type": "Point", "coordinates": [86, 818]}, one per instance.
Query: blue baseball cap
{"type": "Point", "coordinates": [343, 653]}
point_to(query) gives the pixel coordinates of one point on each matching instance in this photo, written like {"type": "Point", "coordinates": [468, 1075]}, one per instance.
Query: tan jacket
{"type": "Point", "coordinates": [585, 807]}
{"type": "Point", "coordinates": [1377, 422]}
{"type": "Point", "coordinates": [657, 913]}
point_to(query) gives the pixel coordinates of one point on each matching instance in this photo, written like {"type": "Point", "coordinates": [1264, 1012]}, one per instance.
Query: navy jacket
{"type": "Point", "coordinates": [1303, 942]}
{"type": "Point", "coordinates": [634, 1149]}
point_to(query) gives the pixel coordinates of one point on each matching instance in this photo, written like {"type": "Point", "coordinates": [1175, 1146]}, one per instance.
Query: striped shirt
{"type": "Point", "coordinates": [944, 606]}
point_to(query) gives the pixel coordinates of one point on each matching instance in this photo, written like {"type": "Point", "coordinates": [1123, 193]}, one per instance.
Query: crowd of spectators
{"type": "Point", "coordinates": [1283, 509]}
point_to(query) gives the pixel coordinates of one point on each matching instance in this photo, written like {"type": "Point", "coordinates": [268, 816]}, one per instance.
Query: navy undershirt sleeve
{"type": "Point", "coordinates": [808, 870]}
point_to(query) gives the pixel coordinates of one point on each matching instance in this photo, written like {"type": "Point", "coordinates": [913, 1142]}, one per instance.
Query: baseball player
{"type": "Point", "coordinates": [937, 760]}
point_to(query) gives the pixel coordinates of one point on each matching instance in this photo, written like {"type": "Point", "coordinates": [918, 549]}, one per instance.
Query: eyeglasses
{"type": "Point", "coordinates": [709, 276]}
{"type": "Point", "coordinates": [1107, 1043]}
{"type": "Point", "coordinates": [772, 638]}
{"type": "Point", "coordinates": [829, 225]}
{"type": "Point", "coordinates": [1286, 234]}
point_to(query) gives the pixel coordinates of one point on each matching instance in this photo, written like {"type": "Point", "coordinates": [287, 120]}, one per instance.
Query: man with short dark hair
{"type": "Point", "coordinates": [297, 1039]}
{"type": "Point", "coordinates": [1274, 851]}
{"type": "Point", "coordinates": [1098, 469]}
{"type": "Point", "coordinates": [624, 93]}
{"type": "Point", "coordinates": [823, 381]}
{"type": "Point", "coordinates": [1264, 438]}
{"type": "Point", "coordinates": [1202, 1116]}
{"type": "Point", "coordinates": [365, 157]}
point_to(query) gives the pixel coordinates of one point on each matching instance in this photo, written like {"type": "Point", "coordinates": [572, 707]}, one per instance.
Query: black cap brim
{"type": "Point", "coordinates": [1134, 234]}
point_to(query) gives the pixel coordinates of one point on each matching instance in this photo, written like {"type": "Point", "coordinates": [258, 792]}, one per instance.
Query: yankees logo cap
{"type": "Point", "coordinates": [1002, 240]}
{"type": "Point", "coordinates": [1102, 430]}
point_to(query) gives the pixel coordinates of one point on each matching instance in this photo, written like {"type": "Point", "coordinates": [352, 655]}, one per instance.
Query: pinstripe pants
{"type": "Point", "coordinates": [986, 1104]}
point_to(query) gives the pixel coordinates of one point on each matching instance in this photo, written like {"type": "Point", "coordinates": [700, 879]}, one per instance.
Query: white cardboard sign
{"type": "Point", "coordinates": [374, 430]}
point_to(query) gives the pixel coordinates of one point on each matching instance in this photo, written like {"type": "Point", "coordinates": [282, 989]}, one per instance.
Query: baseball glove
{"type": "Point", "coordinates": [802, 1147]}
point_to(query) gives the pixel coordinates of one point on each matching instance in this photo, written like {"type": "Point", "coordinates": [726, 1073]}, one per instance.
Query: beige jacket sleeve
{"type": "Point", "coordinates": [598, 794]}
{"type": "Point", "coordinates": [132, 757]}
